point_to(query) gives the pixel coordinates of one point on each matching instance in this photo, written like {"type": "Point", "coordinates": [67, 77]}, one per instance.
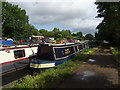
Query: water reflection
{"type": "Point", "coordinates": [91, 60]}
{"type": "Point", "coordinates": [84, 75]}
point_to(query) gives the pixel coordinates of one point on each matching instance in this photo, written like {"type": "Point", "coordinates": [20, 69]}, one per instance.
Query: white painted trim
{"type": "Point", "coordinates": [54, 53]}
{"type": "Point", "coordinates": [45, 65]}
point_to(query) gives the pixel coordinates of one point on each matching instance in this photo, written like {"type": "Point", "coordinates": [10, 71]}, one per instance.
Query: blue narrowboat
{"type": "Point", "coordinates": [51, 55]}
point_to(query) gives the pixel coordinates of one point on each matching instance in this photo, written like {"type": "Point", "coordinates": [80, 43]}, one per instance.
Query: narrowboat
{"type": "Point", "coordinates": [16, 57]}
{"type": "Point", "coordinates": [51, 55]}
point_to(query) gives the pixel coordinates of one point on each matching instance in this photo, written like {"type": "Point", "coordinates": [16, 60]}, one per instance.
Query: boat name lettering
{"type": "Point", "coordinates": [67, 51]}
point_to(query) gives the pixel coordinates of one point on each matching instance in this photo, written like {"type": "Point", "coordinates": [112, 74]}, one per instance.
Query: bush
{"type": "Point", "coordinates": [116, 54]}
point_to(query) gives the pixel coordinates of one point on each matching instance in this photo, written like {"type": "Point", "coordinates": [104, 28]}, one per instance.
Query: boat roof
{"type": "Point", "coordinates": [15, 46]}
{"type": "Point", "coordinates": [53, 44]}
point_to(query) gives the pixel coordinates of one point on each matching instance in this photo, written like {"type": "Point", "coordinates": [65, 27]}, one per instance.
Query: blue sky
{"type": "Point", "coordinates": [75, 15]}
{"type": "Point", "coordinates": [50, 27]}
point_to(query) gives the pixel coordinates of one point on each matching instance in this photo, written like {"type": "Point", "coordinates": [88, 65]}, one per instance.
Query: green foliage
{"type": "Point", "coordinates": [66, 33]}
{"type": "Point", "coordinates": [59, 35]}
{"type": "Point", "coordinates": [78, 35]}
{"type": "Point", "coordinates": [116, 54]}
{"type": "Point", "coordinates": [89, 37]}
{"type": "Point", "coordinates": [43, 32]}
{"type": "Point", "coordinates": [15, 22]}
{"type": "Point", "coordinates": [50, 34]}
{"type": "Point", "coordinates": [51, 78]}
{"type": "Point", "coordinates": [0, 30]}
{"type": "Point", "coordinates": [29, 30]}
{"type": "Point", "coordinates": [13, 19]}
{"type": "Point", "coordinates": [109, 28]}
{"type": "Point", "coordinates": [0, 19]}
{"type": "Point", "coordinates": [74, 37]}
{"type": "Point", "coordinates": [56, 32]}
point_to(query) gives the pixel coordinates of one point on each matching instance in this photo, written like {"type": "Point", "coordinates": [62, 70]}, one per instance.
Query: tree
{"type": "Point", "coordinates": [109, 28]}
{"type": "Point", "coordinates": [96, 36]}
{"type": "Point", "coordinates": [15, 23]}
{"type": "Point", "coordinates": [74, 34]}
{"type": "Point", "coordinates": [35, 32]}
{"type": "Point", "coordinates": [30, 30]}
{"type": "Point", "coordinates": [56, 32]}
{"type": "Point", "coordinates": [0, 19]}
{"type": "Point", "coordinates": [50, 34]}
{"type": "Point", "coordinates": [89, 37]}
{"type": "Point", "coordinates": [66, 33]}
{"type": "Point", "coordinates": [59, 36]}
{"type": "Point", "coordinates": [79, 34]}
{"type": "Point", "coordinates": [43, 32]}
{"type": "Point", "coordinates": [13, 19]}
{"type": "Point", "coordinates": [0, 31]}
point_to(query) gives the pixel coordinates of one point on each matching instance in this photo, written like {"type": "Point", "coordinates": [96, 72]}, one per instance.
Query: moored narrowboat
{"type": "Point", "coordinates": [51, 55]}
{"type": "Point", "coordinates": [16, 57]}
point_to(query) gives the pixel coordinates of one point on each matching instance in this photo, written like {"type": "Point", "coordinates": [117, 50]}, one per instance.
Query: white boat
{"type": "Point", "coordinates": [16, 57]}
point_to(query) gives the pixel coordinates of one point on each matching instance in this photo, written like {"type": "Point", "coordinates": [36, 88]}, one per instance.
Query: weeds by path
{"type": "Point", "coordinates": [116, 54]}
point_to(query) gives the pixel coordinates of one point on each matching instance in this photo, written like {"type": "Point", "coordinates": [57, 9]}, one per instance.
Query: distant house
{"type": "Point", "coordinates": [38, 37]}
{"type": "Point", "coordinates": [52, 38]}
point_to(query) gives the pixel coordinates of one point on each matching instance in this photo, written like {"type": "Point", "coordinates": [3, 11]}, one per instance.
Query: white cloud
{"type": "Point", "coordinates": [77, 14]}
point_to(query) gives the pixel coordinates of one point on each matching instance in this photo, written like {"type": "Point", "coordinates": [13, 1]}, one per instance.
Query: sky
{"type": "Point", "coordinates": [75, 15]}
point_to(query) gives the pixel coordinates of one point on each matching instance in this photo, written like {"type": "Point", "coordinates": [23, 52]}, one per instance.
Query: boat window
{"type": "Point", "coordinates": [19, 53]}
{"type": "Point", "coordinates": [84, 45]}
{"type": "Point", "coordinates": [76, 48]}
{"type": "Point", "coordinates": [80, 47]}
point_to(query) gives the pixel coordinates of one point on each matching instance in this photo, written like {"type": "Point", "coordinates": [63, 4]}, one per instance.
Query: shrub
{"type": "Point", "coordinates": [116, 53]}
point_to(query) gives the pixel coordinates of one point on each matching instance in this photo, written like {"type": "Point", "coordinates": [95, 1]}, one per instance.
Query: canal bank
{"type": "Point", "coordinates": [51, 78]}
{"type": "Point", "coordinates": [98, 72]}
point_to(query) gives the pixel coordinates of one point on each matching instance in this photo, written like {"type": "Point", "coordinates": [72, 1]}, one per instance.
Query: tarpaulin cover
{"type": "Point", "coordinates": [8, 42]}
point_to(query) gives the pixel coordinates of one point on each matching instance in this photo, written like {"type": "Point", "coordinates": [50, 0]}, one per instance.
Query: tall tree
{"type": "Point", "coordinates": [15, 23]}
{"type": "Point", "coordinates": [30, 30]}
{"type": "Point", "coordinates": [66, 33]}
{"type": "Point", "coordinates": [0, 19]}
{"type": "Point", "coordinates": [79, 35]}
{"type": "Point", "coordinates": [50, 34]}
{"type": "Point", "coordinates": [89, 37]}
{"type": "Point", "coordinates": [43, 32]}
{"type": "Point", "coordinates": [14, 19]}
{"type": "Point", "coordinates": [56, 32]}
{"type": "Point", "coordinates": [109, 28]}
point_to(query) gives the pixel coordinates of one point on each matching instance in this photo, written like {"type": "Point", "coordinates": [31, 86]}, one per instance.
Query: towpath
{"type": "Point", "coordinates": [98, 72]}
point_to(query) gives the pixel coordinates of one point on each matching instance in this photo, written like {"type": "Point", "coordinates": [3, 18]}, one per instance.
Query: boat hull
{"type": "Point", "coordinates": [47, 64]}
{"type": "Point", "coordinates": [11, 67]}
{"type": "Point", "coordinates": [15, 58]}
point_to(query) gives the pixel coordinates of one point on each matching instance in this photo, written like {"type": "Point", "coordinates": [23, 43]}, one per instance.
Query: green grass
{"type": "Point", "coordinates": [116, 54]}
{"type": "Point", "coordinates": [51, 78]}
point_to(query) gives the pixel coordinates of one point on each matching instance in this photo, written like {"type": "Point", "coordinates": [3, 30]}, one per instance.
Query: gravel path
{"type": "Point", "coordinates": [98, 72]}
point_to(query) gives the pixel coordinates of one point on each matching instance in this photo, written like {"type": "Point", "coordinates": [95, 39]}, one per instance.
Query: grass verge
{"type": "Point", "coordinates": [51, 78]}
{"type": "Point", "coordinates": [116, 54]}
